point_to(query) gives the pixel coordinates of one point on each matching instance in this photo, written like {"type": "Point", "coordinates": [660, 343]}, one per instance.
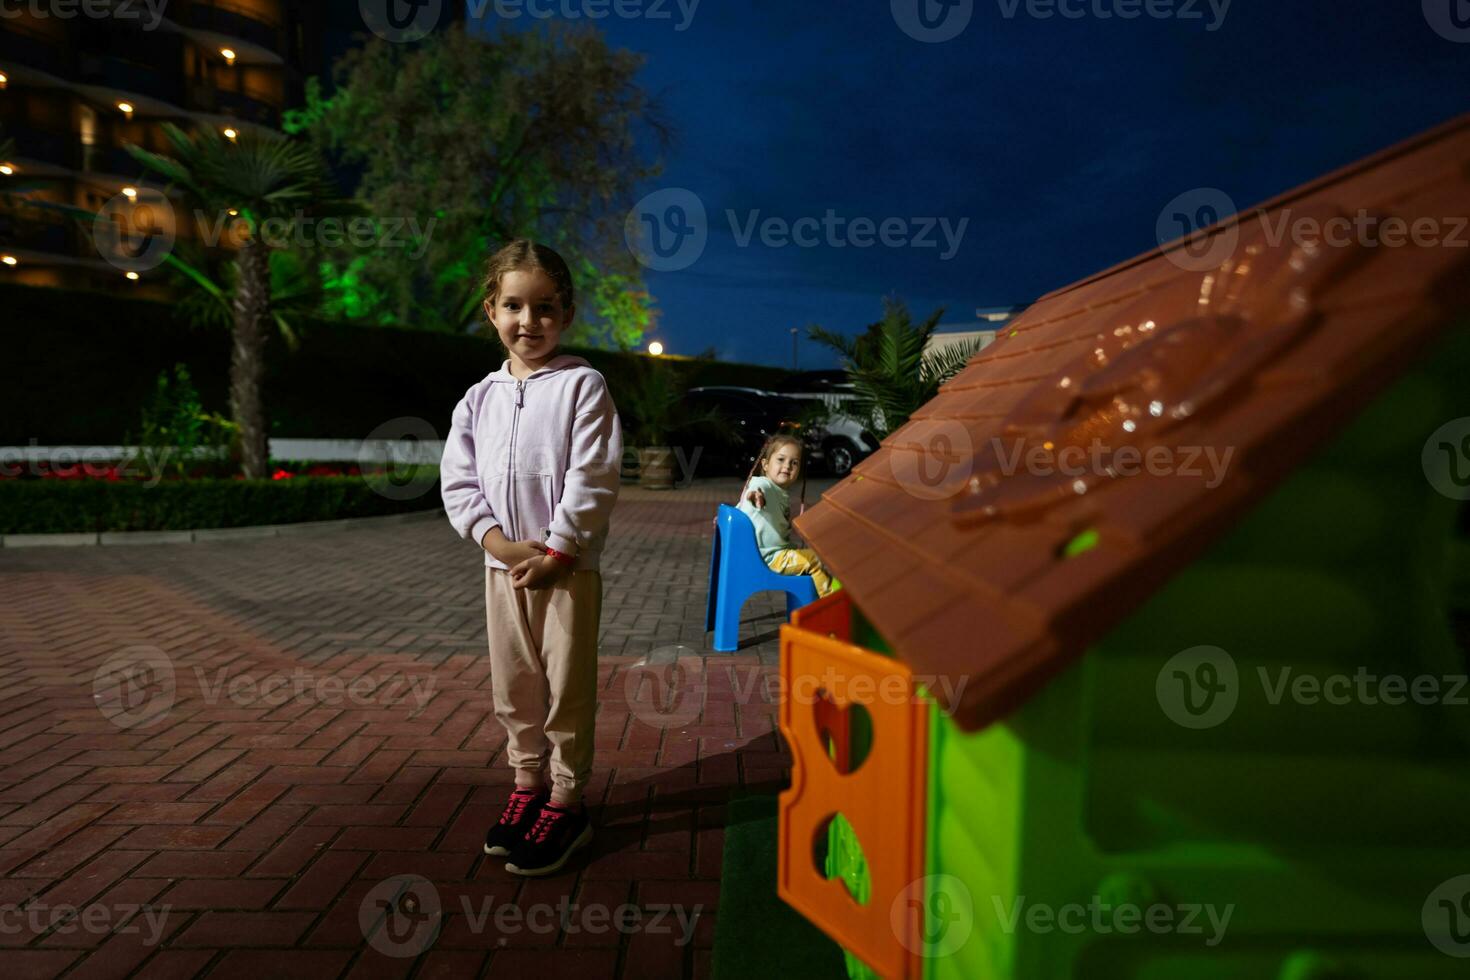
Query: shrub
{"type": "Point", "coordinates": [55, 506]}
{"type": "Point", "coordinates": [177, 435]}
{"type": "Point", "coordinates": [343, 382]}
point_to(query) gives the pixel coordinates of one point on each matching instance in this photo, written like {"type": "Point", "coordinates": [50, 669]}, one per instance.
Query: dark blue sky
{"type": "Point", "coordinates": [1059, 140]}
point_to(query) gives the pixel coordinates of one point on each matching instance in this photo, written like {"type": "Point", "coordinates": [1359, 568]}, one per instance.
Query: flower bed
{"type": "Point", "coordinates": [138, 470]}
{"type": "Point", "coordinates": [105, 498]}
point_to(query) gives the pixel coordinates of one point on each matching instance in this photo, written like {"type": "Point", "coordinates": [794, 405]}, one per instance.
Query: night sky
{"type": "Point", "coordinates": [1060, 140]}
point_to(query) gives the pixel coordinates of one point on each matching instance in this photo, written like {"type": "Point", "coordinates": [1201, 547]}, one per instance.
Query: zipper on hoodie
{"type": "Point", "coordinates": [510, 463]}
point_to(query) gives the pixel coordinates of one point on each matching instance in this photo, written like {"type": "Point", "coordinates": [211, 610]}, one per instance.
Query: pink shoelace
{"type": "Point", "coordinates": [519, 800]}
{"type": "Point", "coordinates": [546, 823]}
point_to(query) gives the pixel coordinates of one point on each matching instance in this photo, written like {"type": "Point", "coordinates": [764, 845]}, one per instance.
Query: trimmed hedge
{"type": "Point", "coordinates": [81, 367]}
{"type": "Point", "coordinates": [56, 506]}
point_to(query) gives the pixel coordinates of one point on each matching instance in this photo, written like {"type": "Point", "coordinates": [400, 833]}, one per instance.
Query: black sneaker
{"type": "Point", "coordinates": [555, 836]}
{"type": "Point", "coordinates": [521, 811]}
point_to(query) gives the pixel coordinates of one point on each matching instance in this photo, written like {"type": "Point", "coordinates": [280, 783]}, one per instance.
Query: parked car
{"type": "Point", "coordinates": [754, 414]}
{"type": "Point", "coordinates": [747, 417]}
{"type": "Point", "coordinates": [842, 440]}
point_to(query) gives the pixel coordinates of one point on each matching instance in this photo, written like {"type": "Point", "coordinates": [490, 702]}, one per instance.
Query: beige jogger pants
{"type": "Point", "coordinates": [543, 673]}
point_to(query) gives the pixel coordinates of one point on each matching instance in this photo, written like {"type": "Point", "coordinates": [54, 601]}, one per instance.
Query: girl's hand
{"type": "Point", "coordinates": [540, 572]}
{"type": "Point", "coordinates": [758, 498]}
{"type": "Point", "coordinates": [517, 552]}
{"type": "Point", "coordinates": [510, 553]}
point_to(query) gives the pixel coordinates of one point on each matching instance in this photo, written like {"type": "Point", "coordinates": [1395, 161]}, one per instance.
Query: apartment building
{"type": "Point", "coordinates": [80, 78]}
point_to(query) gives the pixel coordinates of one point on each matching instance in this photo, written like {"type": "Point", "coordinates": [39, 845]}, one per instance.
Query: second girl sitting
{"type": "Point", "coordinates": [766, 500]}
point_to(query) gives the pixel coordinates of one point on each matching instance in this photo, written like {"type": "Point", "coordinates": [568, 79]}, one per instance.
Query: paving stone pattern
{"type": "Point", "coordinates": [223, 754]}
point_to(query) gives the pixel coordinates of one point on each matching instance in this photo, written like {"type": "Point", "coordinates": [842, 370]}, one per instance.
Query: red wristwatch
{"type": "Point", "coordinates": [561, 556]}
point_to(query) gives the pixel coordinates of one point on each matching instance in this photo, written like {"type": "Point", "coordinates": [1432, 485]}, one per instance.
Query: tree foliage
{"type": "Point", "coordinates": [465, 143]}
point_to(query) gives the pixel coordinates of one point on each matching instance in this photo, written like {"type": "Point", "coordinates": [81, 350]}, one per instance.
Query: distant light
{"type": "Point", "coordinates": [8, 259]}
{"type": "Point", "coordinates": [232, 212]}
{"type": "Point", "coordinates": [131, 193]}
{"type": "Point", "coordinates": [655, 348]}
{"type": "Point", "coordinates": [229, 54]}
{"type": "Point", "coordinates": [230, 133]}
{"type": "Point", "coordinates": [126, 108]}
{"type": "Point", "coordinates": [132, 275]}
{"type": "Point", "coordinates": [6, 169]}
{"type": "Point", "coordinates": [4, 79]}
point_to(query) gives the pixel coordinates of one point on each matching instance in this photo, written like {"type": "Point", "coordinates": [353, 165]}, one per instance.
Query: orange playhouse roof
{"type": "Point", "coordinates": [1065, 473]}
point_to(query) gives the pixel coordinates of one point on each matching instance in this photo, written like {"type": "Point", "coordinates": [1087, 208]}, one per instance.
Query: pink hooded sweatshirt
{"type": "Point", "coordinates": [538, 457]}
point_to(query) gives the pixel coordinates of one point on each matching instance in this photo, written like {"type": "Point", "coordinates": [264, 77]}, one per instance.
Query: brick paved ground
{"type": "Point", "coordinates": [316, 723]}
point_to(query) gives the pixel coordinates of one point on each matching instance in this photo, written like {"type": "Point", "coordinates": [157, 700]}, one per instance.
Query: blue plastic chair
{"type": "Point", "coordinates": [737, 572]}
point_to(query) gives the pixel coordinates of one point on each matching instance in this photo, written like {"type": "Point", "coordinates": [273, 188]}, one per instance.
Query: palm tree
{"type": "Point", "coordinates": [891, 375]}
{"type": "Point", "coordinates": [258, 175]}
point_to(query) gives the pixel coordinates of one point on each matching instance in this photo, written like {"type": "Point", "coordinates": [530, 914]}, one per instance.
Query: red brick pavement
{"type": "Point", "coordinates": [215, 757]}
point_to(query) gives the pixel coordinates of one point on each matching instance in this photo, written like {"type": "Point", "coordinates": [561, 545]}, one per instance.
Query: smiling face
{"type": "Point", "coordinates": [783, 465]}
{"type": "Point", "coordinates": [529, 317]}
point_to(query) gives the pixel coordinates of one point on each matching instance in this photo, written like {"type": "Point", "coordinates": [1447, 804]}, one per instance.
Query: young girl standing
{"type": "Point", "coordinates": [530, 474]}
{"type": "Point", "coordinates": [766, 500]}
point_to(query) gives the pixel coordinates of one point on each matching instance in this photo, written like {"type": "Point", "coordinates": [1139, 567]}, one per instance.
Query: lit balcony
{"type": "Point", "coordinates": [21, 45]}
{"type": "Point", "coordinates": [159, 79]}
{"type": "Point", "coordinates": [258, 23]}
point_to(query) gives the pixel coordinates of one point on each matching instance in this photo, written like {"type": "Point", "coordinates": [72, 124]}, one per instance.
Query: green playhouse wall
{"type": "Point", "coordinates": [1321, 829]}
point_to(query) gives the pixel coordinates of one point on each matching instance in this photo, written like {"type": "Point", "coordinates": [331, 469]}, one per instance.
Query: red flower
{"type": "Point", "coordinates": [280, 475]}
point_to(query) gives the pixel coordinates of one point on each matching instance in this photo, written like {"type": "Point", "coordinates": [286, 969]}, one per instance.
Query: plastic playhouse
{"type": "Point", "coordinates": [1118, 719]}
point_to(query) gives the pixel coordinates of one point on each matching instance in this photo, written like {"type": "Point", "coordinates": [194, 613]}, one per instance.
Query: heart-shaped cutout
{"type": "Point", "coordinates": [846, 731]}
